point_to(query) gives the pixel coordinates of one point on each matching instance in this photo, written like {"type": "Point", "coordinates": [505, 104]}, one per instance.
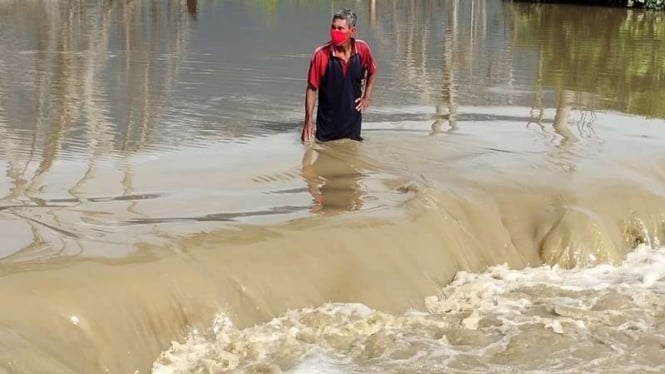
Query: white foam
{"type": "Point", "coordinates": [479, 321]}
{"type": "Point", "coordinates": [319, 361]}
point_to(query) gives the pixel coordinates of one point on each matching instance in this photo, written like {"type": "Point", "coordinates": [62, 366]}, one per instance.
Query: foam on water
{"type": "Point", "coordinates": [537, 319]}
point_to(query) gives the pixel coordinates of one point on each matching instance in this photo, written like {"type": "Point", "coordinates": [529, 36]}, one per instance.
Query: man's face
{"type": "Point", "coordinates": [341, 25]}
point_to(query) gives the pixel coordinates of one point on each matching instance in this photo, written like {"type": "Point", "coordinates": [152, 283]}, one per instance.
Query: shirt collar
{"type": "Point", "coordinates": [353, 48]}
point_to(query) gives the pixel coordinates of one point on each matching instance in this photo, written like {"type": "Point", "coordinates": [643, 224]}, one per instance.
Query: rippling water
{"type": "Point", "coordinates": [158, 211]}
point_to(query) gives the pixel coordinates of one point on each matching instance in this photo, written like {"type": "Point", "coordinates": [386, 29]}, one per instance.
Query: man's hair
{"type": "Point", "coordinates": [348, 15]}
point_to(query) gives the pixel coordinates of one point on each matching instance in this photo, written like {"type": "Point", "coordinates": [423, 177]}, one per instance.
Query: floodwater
{"type": "Point", "coordinates": [159, 214]}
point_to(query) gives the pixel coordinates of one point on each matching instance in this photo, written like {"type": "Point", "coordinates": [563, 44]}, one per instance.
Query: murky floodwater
{"type": "Point", "coordinates": [159, 213]}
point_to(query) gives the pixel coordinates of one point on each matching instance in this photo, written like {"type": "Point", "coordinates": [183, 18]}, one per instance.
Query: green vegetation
{"type": "Point", "coordinates": [647, 4]}
{"type": "Point", "coordinates": [613, 53]}
{"type": "Point", "coordinates": [652, 4]}
{"type": "Point", "coordinates": [270, 6]}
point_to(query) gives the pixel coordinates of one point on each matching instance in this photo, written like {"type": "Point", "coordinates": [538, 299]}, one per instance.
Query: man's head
{"type": "Point", "coordinates": [343, 26]}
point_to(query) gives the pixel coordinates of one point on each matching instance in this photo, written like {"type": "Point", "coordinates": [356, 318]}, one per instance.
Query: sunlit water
{"type": "Point", "coordinates": [158, 211]}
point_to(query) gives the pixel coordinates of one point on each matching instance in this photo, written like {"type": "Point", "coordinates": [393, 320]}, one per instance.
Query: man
{"type": "Point", "coordinates": [336, 72]}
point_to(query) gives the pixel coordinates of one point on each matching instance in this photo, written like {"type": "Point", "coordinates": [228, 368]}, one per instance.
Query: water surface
{"type": "Point", "coordinates": [155, 189]}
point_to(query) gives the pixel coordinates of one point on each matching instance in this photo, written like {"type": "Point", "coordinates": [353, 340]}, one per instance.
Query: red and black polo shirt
{"type": "Point", "coordinates": [339, 84]}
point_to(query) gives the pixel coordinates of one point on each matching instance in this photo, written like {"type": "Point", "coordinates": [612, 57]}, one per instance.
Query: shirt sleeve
{"type": "Point", "coordinates": [316, 69]}
{"type": "Point", "coordinates": [368, 58]}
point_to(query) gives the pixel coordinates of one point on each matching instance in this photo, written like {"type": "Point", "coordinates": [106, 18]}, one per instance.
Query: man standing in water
{"type": "Point", "coordinates": [336, 72]}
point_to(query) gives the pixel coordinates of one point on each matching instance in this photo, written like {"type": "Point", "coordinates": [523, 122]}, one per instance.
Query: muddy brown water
{"type": "Point", "coordinates": [159, 213]}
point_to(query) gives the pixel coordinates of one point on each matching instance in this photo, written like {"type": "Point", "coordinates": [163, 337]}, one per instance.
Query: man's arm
{"type": "Point", "coordinates": [370, 86]}
{"type": "Point", "coordinates": [363, 102]}
{"type": "Point", "coordinates": [308, 128]}
{"type": "Point", "coordinates": [368, 60]}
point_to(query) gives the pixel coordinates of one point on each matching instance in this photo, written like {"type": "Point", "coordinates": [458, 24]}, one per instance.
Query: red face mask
{"type": "Point", "coordinates": [339, 37]}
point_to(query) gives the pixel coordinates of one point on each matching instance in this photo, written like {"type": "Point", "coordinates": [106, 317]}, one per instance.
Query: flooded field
{"type": "Point", "coordinates": [158, 212]}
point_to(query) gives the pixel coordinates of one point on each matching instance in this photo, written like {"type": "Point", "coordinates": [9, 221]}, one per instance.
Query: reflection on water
{"type": "Point", "coordinates": [141, 129]}
{"type": "Point", "coordinates": [439, 50]}
{"type": "Point", "coordinates": [91, 93]}
{"type": "Point", "coordinates": [192, 8]}
{"type": "Point", "coordinates": [81, 81]}
{"type": "Point", "coordinates": [333, 178]}
{"type": "Point", "coordinates": [619, 65]}
{"type": "Point", "coordinates": [446, 109]}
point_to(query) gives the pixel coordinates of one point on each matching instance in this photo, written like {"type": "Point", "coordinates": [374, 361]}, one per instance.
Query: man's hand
{"type": "Point", "coordinates": [362, 103]}
{"type": "Point", "coordinates": [307, 131]}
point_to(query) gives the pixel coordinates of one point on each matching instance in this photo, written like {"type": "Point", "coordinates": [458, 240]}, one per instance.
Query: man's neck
{"type": "Point", "coordinates": [344, 48]}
